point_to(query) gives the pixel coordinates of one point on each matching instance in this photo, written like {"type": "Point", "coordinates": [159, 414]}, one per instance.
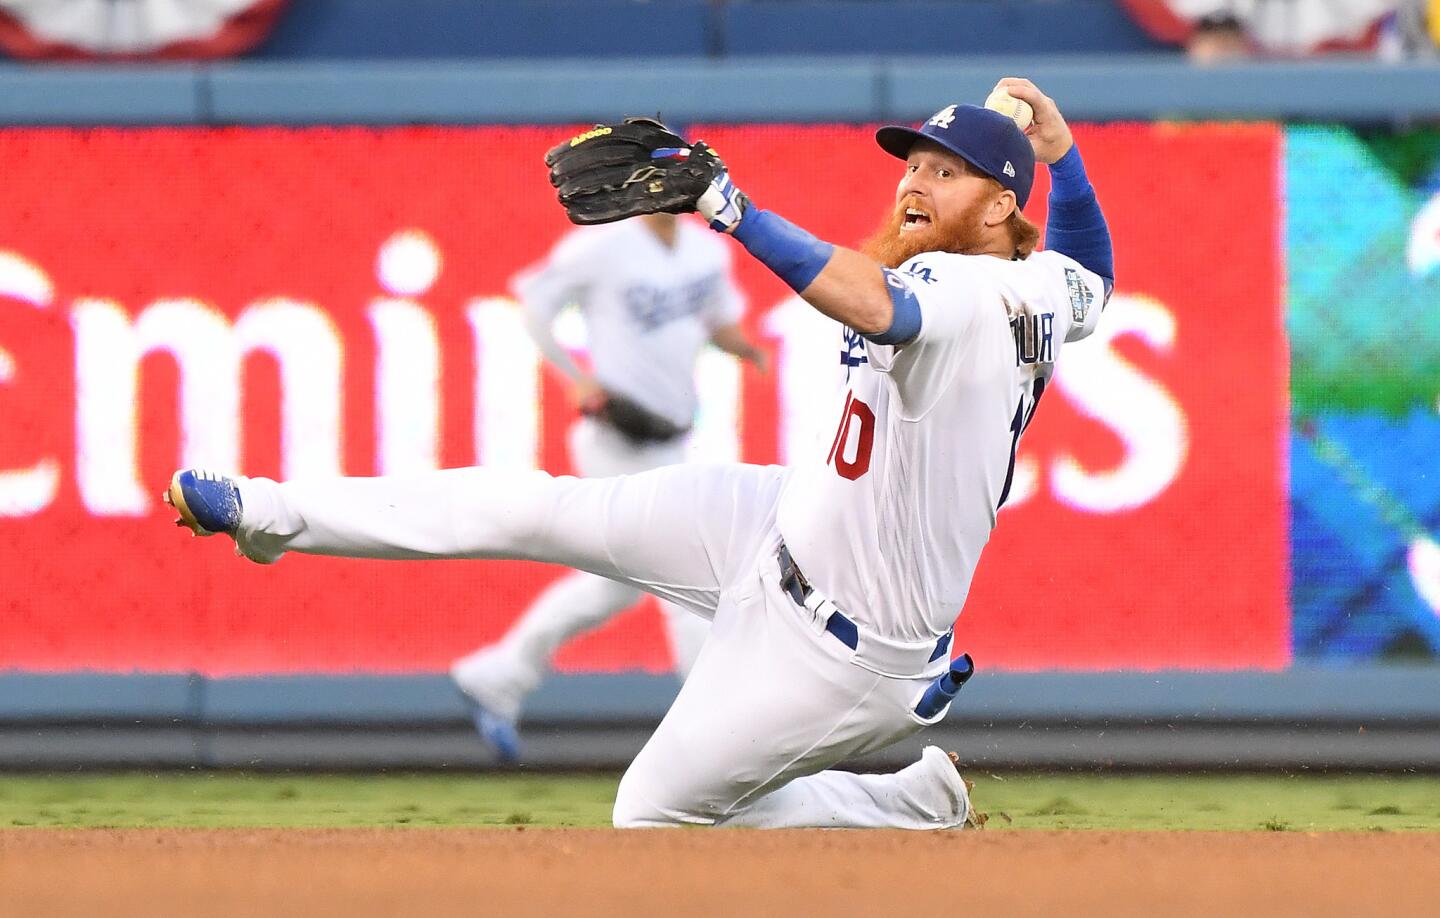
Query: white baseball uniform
{"type": "Point", "coordinates": [649, 309]}
{"type": "Point", "coordinates": [886, 520]}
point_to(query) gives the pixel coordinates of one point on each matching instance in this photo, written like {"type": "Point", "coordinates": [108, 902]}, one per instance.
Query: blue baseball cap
{"type": "Point", "coordinates": [987, 140]}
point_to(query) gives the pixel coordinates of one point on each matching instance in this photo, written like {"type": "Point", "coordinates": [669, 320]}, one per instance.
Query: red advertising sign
{"type": "Point", "coordinates": [295, 303]}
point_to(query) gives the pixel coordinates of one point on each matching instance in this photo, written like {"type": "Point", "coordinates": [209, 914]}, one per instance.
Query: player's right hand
{"type": "Point", "coordinates": [1049, 134]}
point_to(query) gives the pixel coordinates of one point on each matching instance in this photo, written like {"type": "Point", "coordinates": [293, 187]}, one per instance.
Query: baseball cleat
{"type": "Point", "coordinates": [207, 503]}
{"type": "Point", "coordinates": [498, 732]}
{"type": "Point", "coordinates": [974, 819]}
{"type": "Point", "coordinates": [952, 808]}
{"type": "Point", "coordinates": [493, 710]}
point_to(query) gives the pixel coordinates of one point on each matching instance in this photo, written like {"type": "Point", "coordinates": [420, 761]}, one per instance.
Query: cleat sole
{"type": "Point", "coordinates": [175, 497]}
{"type": "Point", "coordinates": [974, 819]}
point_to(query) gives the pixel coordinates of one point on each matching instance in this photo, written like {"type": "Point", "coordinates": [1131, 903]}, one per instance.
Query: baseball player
{"type": "Point", "coordinates": [832, 584]}
{"type": "Point", "coordinates": [653, 291]}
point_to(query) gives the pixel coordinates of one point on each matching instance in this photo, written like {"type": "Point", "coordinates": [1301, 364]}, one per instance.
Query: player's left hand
{"type": "Point", "coordinates": [615, 171]}
{"type": "Point", "coordinates": [589, 395]}
{"type": "Point", "coordinates": [1048, 133]}
{"type": "Point", "coordinates": [635, 422]}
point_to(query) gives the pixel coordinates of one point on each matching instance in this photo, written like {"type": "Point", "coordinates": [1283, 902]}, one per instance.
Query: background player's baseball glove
{"type": "Point", "coordinates": [615, 171]}
{"type": "Point", "coordinates": [635, 422]}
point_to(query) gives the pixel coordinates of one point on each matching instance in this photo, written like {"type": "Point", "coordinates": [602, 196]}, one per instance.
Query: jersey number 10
{"type": "Point", "coordinates": [858, 412]}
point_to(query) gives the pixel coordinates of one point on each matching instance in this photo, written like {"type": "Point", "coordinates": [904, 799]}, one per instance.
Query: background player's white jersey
{"type": "Point", "coordinates": [649, 308]}
{"type": "Point", "coordinates": [889, 524]}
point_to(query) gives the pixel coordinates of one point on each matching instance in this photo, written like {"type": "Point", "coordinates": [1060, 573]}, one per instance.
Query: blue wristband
{"type": "Point", "coordinates": [905, 320]}
{"type": "Point", "coordinates": [795, 256]}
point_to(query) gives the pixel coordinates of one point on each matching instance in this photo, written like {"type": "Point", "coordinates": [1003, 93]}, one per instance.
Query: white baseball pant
{"type": "Point", "coordinates": [772, 701]}
{"type": "Point", "coordinates": [512, 668]}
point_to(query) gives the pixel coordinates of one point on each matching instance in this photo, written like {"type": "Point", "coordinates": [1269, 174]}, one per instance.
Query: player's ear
{"type": "Point", "coordinates": [1001, 208]}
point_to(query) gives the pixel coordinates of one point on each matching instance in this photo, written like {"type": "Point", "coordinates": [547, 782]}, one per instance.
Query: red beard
{"type": "Point", "coordinates": [961, 235]}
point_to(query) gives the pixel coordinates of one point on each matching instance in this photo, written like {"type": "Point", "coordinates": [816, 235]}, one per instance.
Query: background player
{"type": "Point", "coordinates": [832, 584]}
{"type": "Point", "coordinates": [653, 290]}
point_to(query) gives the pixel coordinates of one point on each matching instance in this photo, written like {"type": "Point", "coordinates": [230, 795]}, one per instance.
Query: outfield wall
{"type": "Point", "coordinates": [308, 303]}
{"type": "Point", "coordinates": [390, 29]}
{"type": "Point", "coordinates": [1231, 488]}
{"type": "Point", "coordinates": [842, 88]}
{"type": "Point", "coordinates": [1354, 718]}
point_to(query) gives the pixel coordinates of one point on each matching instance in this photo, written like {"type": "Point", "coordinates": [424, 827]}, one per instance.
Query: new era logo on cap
{"type": "Point", "coordinates": [1009, 168]}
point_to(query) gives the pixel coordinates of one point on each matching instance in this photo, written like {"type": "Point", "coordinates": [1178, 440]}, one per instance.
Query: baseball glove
{"type": "Point", "coordinates": [615, 171]}
{"type": "Point", "coordinates": [635, 422]}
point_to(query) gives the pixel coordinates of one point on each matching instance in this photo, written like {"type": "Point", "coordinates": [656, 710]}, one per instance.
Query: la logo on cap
{"type": "Point", "coordinates": [944, 117]}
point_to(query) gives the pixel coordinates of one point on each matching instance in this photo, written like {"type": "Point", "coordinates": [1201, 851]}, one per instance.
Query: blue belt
{"type": "Point", "coordinates": [793, 581]}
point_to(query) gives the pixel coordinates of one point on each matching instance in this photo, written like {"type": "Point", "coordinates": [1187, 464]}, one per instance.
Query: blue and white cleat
{"type": "Point", "coordinates": [207, 503]}
{"type": "Point", "coordinates": [492, 700]}
{"type": "Point", "coordinates": [498, 732]}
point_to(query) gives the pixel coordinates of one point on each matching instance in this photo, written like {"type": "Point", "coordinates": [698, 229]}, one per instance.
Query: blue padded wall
{"type": "Point", "coordinates": [411, 29]}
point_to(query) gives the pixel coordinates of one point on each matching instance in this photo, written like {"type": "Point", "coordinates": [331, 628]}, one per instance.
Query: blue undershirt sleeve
{"type": "Point", "coordinates": [1076, 226]}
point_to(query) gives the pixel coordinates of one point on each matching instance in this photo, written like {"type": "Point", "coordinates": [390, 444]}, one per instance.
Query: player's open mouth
{"type": "Point", "coordinates": [914, 219]}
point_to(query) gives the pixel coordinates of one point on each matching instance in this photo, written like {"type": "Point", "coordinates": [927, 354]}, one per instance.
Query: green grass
{"type": "Point", "coordinates": [224, 799]}
{"type": "Point", "coordinates": [1015, 801]}
{"type": "Point", "coordinates": [1275, 803]}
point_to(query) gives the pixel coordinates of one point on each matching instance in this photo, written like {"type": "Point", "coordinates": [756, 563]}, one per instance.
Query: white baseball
{"type": "Point", "coordinates": [1006, 104]}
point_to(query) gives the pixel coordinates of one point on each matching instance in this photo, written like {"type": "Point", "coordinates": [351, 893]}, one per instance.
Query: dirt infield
{"type": "Point", "coordinates": [367, 872]}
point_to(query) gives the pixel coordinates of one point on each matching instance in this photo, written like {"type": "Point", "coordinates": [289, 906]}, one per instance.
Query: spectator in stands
{"type": "Point", "coordinates": [1216, 30]}
{"type": "Point", "coordinates": [1412, 29]}
{"type": "Point", "coordinates": [47, 30]}
{"type": "Point", "coordinates": [1218, 38]}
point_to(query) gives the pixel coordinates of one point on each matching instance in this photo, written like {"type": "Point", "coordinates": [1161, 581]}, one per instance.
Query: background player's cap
{"type": "Point", "coordinates": [988, 140]}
